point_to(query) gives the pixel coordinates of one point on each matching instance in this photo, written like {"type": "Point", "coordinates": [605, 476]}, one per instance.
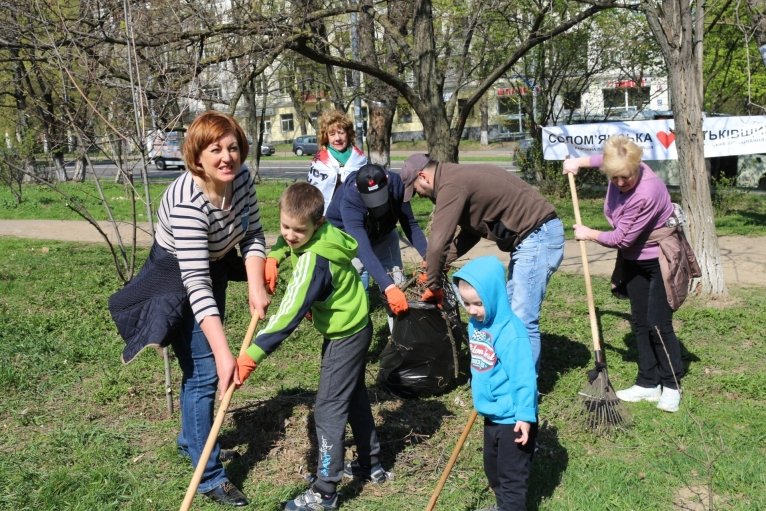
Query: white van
{"type": "Point", "coordinates": [165, 148]}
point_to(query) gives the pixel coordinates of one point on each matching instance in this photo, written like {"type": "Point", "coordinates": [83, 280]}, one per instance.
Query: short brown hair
{"type": "Point", "coordinates": [206, 129]}
{"type": "Point", "coordinates": [332, 118]}
{"type": "Point", "coordinates": [621, 154]}
{"type": "Point", "coordinates": [302, 201]}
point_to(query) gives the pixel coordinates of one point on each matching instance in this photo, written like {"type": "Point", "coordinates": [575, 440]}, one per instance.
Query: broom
{"type": "Point", "coordinates": [605, 410]}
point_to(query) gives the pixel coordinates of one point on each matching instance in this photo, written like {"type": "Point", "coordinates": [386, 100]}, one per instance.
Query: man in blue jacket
{"type": "Point", "coordinates": [368, 206]}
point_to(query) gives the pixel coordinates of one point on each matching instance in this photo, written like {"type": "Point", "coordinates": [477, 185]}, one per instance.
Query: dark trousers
{"type": "Point", "coordinates": [342, 398]}
{"type": "Point", "coordinates": [659, 352]}
{"type": "Point", "coordinates": [508, 464]}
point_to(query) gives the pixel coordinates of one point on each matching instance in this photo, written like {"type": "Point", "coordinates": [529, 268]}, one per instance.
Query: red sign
{"type": "Point", "coordinates": [512, 91]}
{"type": "Point", "coordinates": [626, 84]}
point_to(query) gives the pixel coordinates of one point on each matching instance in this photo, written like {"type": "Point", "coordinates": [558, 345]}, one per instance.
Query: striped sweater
{"type": "Point", "coordinates": [196, 232]}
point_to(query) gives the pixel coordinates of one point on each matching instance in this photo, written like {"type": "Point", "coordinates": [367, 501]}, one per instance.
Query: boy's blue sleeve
{"type": "Point", "coordinates": [353, 212]}
{"type": "Point", "coordinates": [515, 355]}
{"type": "Point", "coordinates": [309, 283]}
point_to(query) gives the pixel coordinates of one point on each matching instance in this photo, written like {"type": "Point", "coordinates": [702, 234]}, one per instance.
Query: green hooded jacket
{"type": "Point", "coordinates": [324, 282]}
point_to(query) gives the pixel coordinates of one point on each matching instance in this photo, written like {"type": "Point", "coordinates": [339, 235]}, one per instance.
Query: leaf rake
{"type": "Point", "coordinates": [604, 409]}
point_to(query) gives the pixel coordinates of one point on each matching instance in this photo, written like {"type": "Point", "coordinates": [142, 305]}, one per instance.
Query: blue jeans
{"type": "Point", "coordinates": [390, 256]}
{"type": "Point", "coordinates": [532, 264]}
{"type": "Point", "coordinates": [197, 398]}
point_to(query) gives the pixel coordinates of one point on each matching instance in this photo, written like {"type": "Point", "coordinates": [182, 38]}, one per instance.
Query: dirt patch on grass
{"type": "Point", "coordinates": [697, 498]}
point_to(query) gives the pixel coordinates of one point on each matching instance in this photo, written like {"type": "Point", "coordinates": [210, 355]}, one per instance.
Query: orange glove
{"type": "Point", "coordinates": [433, 296]}
{"type": "Point", "coordinates": [396, 299]}
{"type": "Point", "coordinates": [422, 273]}
{"type": "Point", "coordinates": [271, 274]}
{"type": "Point", "coordinates": [245, 366]}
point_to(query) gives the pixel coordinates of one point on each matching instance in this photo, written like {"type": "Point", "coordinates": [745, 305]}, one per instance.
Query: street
{"type": "Point", "coordinates": [270, 168]}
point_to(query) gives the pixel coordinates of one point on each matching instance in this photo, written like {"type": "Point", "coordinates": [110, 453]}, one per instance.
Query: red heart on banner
{"type": "Point", "coordinates": [666, 138]}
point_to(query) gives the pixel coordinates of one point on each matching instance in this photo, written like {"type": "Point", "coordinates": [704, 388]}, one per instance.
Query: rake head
{"type": "Point", "coordinates": [604, 410]}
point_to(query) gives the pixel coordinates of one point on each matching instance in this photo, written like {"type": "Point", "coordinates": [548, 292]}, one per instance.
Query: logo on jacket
{"type": "Point", "coordinates": [483, 356]}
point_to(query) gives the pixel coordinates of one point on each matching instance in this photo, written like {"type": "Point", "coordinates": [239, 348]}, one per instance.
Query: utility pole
{"type": "Point", "coordinates": [356, 76]}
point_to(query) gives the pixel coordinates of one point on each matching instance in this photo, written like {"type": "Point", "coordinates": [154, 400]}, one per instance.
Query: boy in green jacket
{"type": "Point", "coordinates": [325, 283]}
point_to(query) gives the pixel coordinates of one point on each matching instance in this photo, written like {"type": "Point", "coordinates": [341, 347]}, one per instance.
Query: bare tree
{"type": "Point", "coordinates": [678, 27]}
{"type": "Point", "coordinates": [434, 60]}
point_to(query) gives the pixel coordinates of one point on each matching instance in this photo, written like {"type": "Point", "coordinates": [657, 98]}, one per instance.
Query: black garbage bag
{"type": "Point", "coordinates": [420, 358]}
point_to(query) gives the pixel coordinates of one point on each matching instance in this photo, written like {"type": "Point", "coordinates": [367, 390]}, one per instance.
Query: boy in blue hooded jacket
{"type": "Point", "coordinates": [503, 380]}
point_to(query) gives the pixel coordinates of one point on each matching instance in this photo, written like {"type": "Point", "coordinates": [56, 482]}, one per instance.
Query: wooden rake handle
{"type": "Point", "coordinates": [213, 436]}
{"type": "Point", "coordinates": [451, 462]}
{"type": "Point", "coordinates": [585, 270]}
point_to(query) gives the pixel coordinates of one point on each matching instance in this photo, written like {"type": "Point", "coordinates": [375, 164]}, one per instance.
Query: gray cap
{"type": "Point", "coordinates": [409, 172]}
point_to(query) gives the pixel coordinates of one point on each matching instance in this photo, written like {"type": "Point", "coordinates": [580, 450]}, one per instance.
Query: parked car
{"type": "Point", "coordinates": [522, 151]}
{"type": "Point", "coordinates": [306, 144]}
{"type": "Point", "coordinates": [267, 149]}
{"type": "Point", "coordinates": [525, 145]}
{"type": "Point", "coordinates": [503, 135]}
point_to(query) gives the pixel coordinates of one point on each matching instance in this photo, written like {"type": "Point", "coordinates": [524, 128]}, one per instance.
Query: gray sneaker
{"type": "Point", "coordinates": [375, 474]}
{"type": "Point", "coordinates": [311, 500]}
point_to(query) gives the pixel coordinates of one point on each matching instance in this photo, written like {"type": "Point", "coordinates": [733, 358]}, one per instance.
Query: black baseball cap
{"type": "Point", "coordinates": [372, 183]}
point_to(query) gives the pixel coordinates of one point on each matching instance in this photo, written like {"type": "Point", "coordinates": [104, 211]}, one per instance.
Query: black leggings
{"type": "Point", "coordinates": [659, 352]}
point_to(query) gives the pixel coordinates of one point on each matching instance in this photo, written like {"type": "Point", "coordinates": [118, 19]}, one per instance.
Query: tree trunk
{"type": "Point", "coordinates": [431, 107]}
{"type": "Point", "coordinates": [58, 164]}
{"type": "Point", "coordinates": [759, 25]}
{"type": "Point", "coordinates": [679, 31]}
{"type": "Point", "coordinates": [80, 166]}
{"type": "Point", "coordinates": [381, 98]}
{"type": "Point", "coordinates": [484, 111]}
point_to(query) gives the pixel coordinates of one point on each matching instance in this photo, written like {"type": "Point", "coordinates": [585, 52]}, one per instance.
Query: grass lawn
{"type": "Point", "coordinates": [81, 431]}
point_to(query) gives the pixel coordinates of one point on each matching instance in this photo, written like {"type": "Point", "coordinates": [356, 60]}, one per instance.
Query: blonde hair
{"type": "Point", "coordinates": [206, 129]}
{"type": "Point", "coordinates": [330, 118]}
{"type": "Point", "coordinates": [302, 201]}
{"type": "Point", "coordinates": [621, 154]}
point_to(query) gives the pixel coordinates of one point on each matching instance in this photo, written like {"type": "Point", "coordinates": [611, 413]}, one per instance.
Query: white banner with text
{"type": "Point", "coordinates": [724, 136]}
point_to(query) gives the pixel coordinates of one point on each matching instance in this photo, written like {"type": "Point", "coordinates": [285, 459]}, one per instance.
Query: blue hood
{"type": "Point", "coordinates": [487, 276]}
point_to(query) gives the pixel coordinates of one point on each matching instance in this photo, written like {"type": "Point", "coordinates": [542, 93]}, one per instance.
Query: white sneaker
{"type": "Point", "coordinates": [670, 400]}
{"type": "Point", "coordinates": [637, 393]}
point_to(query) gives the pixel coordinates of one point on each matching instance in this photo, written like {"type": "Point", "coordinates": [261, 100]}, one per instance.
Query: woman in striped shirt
{"type": "Point", "coordinates": [203, 215]}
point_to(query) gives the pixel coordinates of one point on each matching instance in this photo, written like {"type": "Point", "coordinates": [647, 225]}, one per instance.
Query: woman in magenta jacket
{"type": "Point", "coordinates": [637, 202]}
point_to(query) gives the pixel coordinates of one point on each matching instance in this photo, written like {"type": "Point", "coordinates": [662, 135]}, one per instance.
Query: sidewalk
{"type": "Point", "coordinates": [743, 258]}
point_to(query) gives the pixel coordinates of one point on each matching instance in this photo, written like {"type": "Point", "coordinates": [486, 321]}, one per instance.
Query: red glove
{"type": "Point", "coordinates": [271, 274]}
{"type": "Point", "coordinates": [396, 299]}
{"type": "Point", "coordinates": [433, 296]}
{"type": "Point", "coordinates": [422, 278]}
{"type": "Point", "coordinates": [245, 366]}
